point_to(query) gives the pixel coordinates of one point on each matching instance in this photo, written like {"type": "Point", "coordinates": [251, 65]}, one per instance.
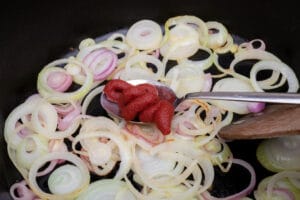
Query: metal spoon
{"type": "Point", "coordinates": [283, 98]}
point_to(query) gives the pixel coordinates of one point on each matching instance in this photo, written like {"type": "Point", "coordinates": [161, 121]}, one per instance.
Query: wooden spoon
{"type": "Point", "coordinates": [275, 121]}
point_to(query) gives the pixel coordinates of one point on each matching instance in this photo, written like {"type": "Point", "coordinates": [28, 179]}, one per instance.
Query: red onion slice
{"type": "Point", "coordinates": [102, 62]}
{"type": "Point", "coordinates": [66, 121]}
{"type": "Point", "coordinates": [59, 81]}
{"type": "Point", "coordinates": [19, 191]}
{"type": "Point", "coordinates": [256, 107]}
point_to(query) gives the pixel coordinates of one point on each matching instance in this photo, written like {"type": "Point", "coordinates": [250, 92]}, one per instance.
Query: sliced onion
{"type": "Point", "coordinates": [182, 42]}
{"type": "Point", "coordinates": [59, 97]}
{"type": "Point", "coordinates": [201, 64]}
{"type": "Point", "coordinates": [284, 69]}
{"type": "Point", "coordinates": [86, 43]}
{"type": "Point", "coordinates": [102, 62]}
{"type": "Point", "coordinates": [193, 22]}
{"type": "Point", "coordinates": [65, 179]}
{"type": "Point", "coordinates": [106, 189]}
{"type": "Point", "coordinates": [277, 186]}
{"type": "Point", "coordinates": [11, 129]}
{"type": "Point", "coordinates": [152, 165]}
{"type": "Point", "coordinates": [144, 35]}
{"type": "Point", "coordinates": [22, 191]}
{"type": "Point", "coordinates": [216, 39]}
{"type": "Point", "coordinates": [280, 153]}
{"type": "Point", "coordinates": [123, 149]}
{"type": "Point", "coordinates": [83, 173]}
{"type": "Point", "coordinates": [59, 81]}
{"type": "Point", "coordinates": [184, 79]}
{"type": "Point", "coordinates": [135, 70]}
{"type": "Point", "coordinates": [233, 84]}
{"type": "Point", "coordinates": [31, 148]}
{"type": "Point", "coordinates": [250, 45]}
{"type": "Point", "coordinates": [229, 46]}
{"type": "Point", "coordinates": [66, 121]}
{"type": "Point", "coordinates": [275, 178]}
{"type": "Point", "coordinates": [90, 97]}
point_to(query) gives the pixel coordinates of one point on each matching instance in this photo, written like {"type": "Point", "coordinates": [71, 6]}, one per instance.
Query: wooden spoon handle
{"type": "Point", "coordinates": [274, 121]}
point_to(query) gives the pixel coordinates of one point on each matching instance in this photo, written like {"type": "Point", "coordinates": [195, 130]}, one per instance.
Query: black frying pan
{"type": "Point", "coordinates": [33, 33]}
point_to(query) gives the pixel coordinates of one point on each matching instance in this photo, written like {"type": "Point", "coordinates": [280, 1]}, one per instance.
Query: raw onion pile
{"type": "Point", "coordinates": [52, 135]}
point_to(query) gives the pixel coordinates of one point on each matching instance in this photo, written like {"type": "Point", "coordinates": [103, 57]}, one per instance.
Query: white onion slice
{"type": "Point", "coordinates": [11, 135]}
{"type": "Point", "coordinates": [198, 24]}
{"type": "Point", "coordinates": [82, 169]}
{"type": "Point", "coordinates": [54, 96]}
{"type": "Point", "coordinates": [30, 149]}
{"type": "Point", "coordinates": [106, 189]}
{"type": "Point", "coordinates": [86, 43]}
{"type": "Point", "coordinates": [65, 179]}
{"type": "Point", "coordinates": [144, 35]}
{"type": "Point", "coordinates": [135, 70]}
{"type": "Point", "coordinates": [219, 38]}
{"type": "Point", "coordinates": [233, 84]}
{"type": "Point", "coordinates": [284, 69]}
{"type": "Point", "coordinates": [182, 42]}
{"type": "Point", "coordinates": [184, 79]}
{"type": "Point", "coordinates": [119, 140]}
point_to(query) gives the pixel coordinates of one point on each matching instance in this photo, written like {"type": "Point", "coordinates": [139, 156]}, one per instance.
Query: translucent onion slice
{"type": "Point", "coordinates": [233, 84]}
{"type": "Point", "coordinates": [217, 34]}
{"type": "Point", "coordinates": [284, 174]}
{"type": "Point", "coordinates": [280, 154]}
{"type": "Point", "coordinates": [281, 187]}
{"type": "Point", "coordinates": [31, 148]}
{"type": "Point", "coordinates": [151, 165]}
{"type": "Point", "coordinates": [229, 46]}
{"type": "Point", "coordinates": [184, 79]}
{"type": "Point", "coordinates": [44, 118]}
{"type": "Point", "coordinates": [59, 81]}
{"type": "Point", "coordinates": [171, 193]}
{"type": "Point", "coordinates": [220, 153]}
{"type": "Point", "coordinates": [83, 176]}
{"type": "Point", "coordinates": [106, 189]}
{"type": "Point", "coordinates": [251, 45]}
{"type": "Point", "coordinates": [193, 21]}
{"type": "Point", "coordinates": [136, 68]}
{"type": "Point", "coordinates": [11, 135]}
{"type": "Point", "coordinates": [67, 119]}
{"type": "Point", "coordinates": [184, 146]}
{"type": "Point", "coordinates": [89, 98]}
{"type": "Point", "coordinates": [119, 140]}
{"type": "Point", "coordinates": [65, 180]}
{"type": "Point", "coordinates": [119, 48]}
{"type": "Point", "coordinates": [22, 191]}
{"type": "Point", "coordinates": [54, 96]}
{"type": "Point", "coordinates": [201, 64]}
{"type": "Point", "coordinates": [284, 69]}
{"type": "Point", "coordinates": [255, 54]}
{"type": "Point", "coordinates": [189, 123]}
{"type": "Point", "coordinates": [102, 62]}
{"type": "Point", "coordinates": [182, 42]}
{"type": "Point", "coordinates": [44, 121]}
{"type": "Point", "coordinates": [99, 124]}
{"type": "Point", "coordinates": [144, 35]}
{"type": "Point", "coordinates": [86, 43]}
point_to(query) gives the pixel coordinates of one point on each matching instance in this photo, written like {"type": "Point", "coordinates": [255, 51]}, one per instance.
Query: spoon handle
{"type": "Point", "coordinates": [287, 98]}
